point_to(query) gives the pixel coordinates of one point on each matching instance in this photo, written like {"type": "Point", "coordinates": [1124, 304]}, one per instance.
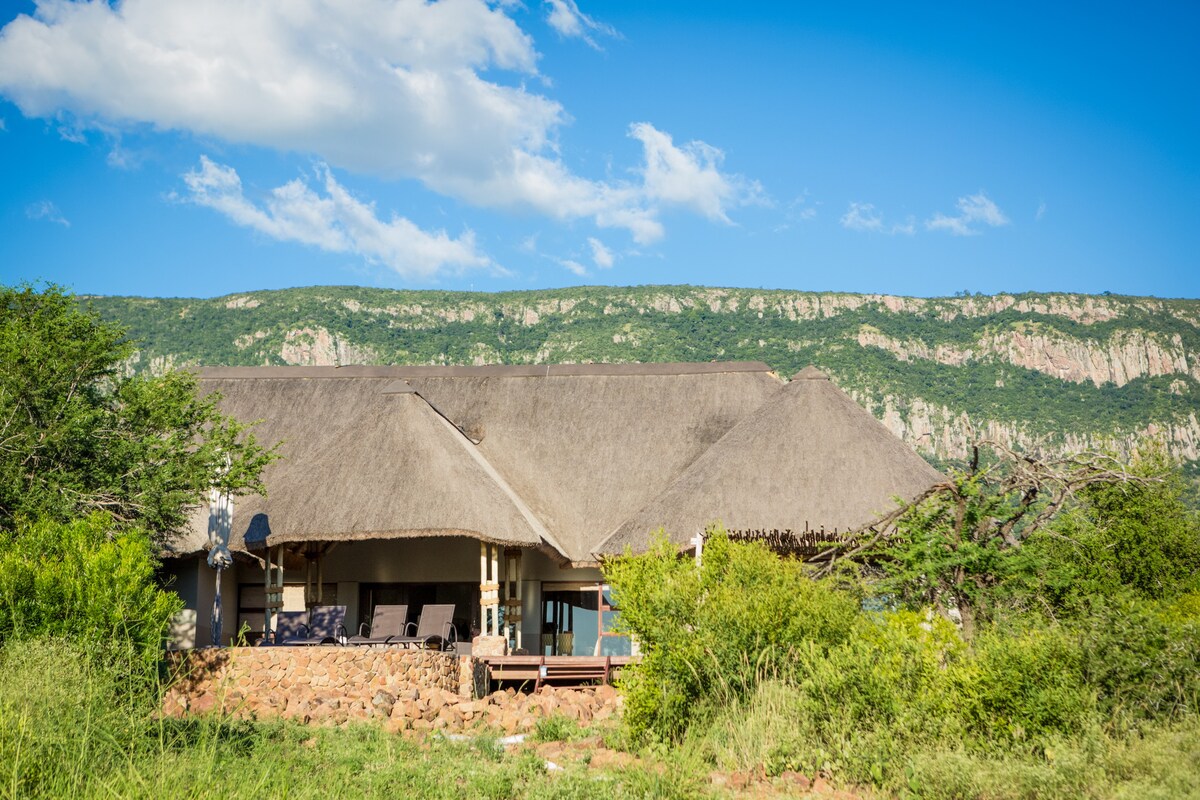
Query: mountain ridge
{"type": "Point", "coordinates": [1045, 372]}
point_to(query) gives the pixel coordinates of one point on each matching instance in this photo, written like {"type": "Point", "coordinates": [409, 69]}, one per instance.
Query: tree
{"type": "Point", "coordinates": [78, 436]}
{"type": "Point", "coordinates": [954, 545]}
{"type": "Point", "coordinates": [1138, 539]}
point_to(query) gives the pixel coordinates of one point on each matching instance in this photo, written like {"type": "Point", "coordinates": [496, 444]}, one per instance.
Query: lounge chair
{"type": "Point", "coordinates": [326, 625]}
{"type": "Point", "coordinates": [434, 631]}
{"type": "Point", "coordinates": [387, 623]}
{"type": "Point", "coordinates": [288, 625]}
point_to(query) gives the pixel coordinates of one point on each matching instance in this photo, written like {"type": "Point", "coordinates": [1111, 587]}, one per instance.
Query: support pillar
{"type": "Point", "coordinates": [489, 590]}
{"type": "Point", "coordinates": [512, 595]}
{"type": "Point", "coordinates": [273, 575]}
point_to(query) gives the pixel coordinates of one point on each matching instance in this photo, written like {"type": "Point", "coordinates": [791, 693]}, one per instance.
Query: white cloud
{"type": "Point", "coordinates": [863, 217]}
{"type": "Point", "coordinates": [602, 257]}
{"type": "Point", "coordinates": [336, 222]}
{"type": "Point", "coordinates": [120, 157]}
{"type": "Point", "coordinates": [1041, 211]}
{"type": "Point", "coordinates": [46, 210]}
{"type": "Point", "coordinates": [973, 210]}
{"type": "Point", "coordinates": [394, 88]}
{"type": "Point", "coordinates": [566, 18]}
{"type": "Point", "coordinates": [796, 212]}
{"type": "Point", "coordinates": [374, 85]}
{"type": "Point", "coordinates": [689, 175]}
{"type": "Point", "coordinates": [574, 266]}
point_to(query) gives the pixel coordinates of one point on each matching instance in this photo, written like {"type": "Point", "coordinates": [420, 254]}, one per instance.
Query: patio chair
{"type": "Point", "coordinates": [288, 625]}
{"type": "Point", "coordinates": [387, 623]}
{"type": "Point", "coordinates": [434, 631]}
{"type": "Point", "coordinates": [326, 625]}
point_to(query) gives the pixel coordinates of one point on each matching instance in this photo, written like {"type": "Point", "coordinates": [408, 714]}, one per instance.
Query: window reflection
{"type": "Point", "coordinates": [577, 620]}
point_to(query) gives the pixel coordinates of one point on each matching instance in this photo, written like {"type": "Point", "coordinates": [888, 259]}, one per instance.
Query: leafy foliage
{"type": "Point", "coordinates": [76, 436]}
{"type": "Point", "coordinates": [720, 627]}
{"type": "Point", "coordinates": [755, 664]}
{"type": "Point", "coordinates": [83, 581]}
{"type": "Point", "coordinates": [1138, 540]}
{"type": "Point", "coordinates": [962, 539]}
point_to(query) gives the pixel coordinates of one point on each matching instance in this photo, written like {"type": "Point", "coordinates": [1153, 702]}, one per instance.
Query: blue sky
{"type": "Point", "coordinates": [184, 148]}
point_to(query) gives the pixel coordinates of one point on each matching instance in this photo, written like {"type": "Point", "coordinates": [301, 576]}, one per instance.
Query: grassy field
{"type": "Point", "coordinates": [68, 729]}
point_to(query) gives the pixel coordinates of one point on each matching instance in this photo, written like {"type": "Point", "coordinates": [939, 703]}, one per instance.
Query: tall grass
{"type": "Point", "coordinates": [72, 729]}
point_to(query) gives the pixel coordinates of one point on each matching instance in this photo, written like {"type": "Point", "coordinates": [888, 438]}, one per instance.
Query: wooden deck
{"type": "Point", "coordinates": [556, 670]}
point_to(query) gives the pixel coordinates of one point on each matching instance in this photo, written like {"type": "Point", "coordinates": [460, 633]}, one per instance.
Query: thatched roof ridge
{"type": "Point", "coordinates": [486, 371]}
{"type": "Point", "coordinates": [361, 463]}
{"type": "Point", "coordinates": [809, 457]}
{"type": "Point", "coordinates": [810, 373]}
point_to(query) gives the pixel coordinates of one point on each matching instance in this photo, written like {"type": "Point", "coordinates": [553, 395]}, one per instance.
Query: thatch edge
{"type": "Point", "coordinates": [412, 533]}
{"type": "Point", "coordinates": [809, 374]}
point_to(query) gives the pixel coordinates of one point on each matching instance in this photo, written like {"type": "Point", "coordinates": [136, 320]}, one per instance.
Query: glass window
{"type": "Point", "coordinates": [577, 620]}
{"type": "Point", "coordinates": [252, 601]}
{"type": "Point", "coordinates": [570, 622]}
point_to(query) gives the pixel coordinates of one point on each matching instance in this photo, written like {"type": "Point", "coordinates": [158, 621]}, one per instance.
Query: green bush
{"type": "Point", "coordinates": [85, 582]}
{"type": "Point", "coordinates": [854, 710]}
{"type": "Point", "coordinates": [716, 631]}
{"type": "Point", "coordinates": [752, 664]}
{"type": "Point", "coordinates": [1023, 688]}
{"type": "Point", "coordinates": [1138, 539]}
{"type": "Point", "coordinates": [1141, 658]}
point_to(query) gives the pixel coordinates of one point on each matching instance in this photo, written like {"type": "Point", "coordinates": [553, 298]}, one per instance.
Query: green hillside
{"type": "Point", "coordinates": [941, 371]}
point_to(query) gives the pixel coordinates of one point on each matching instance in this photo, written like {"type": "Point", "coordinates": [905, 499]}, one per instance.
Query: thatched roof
{"type": "Point", "coordinates": [363, 458]}
{"type": "Point", "coordinates": [809, 457]}
{"type": "Point", "coordinates": [578, 459]}
{"type": "Point", "coordinates": [587, 447]}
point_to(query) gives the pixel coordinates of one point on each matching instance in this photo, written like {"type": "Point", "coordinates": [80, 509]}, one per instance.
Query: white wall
{"type": "Point", "coordinates": [195, 583]}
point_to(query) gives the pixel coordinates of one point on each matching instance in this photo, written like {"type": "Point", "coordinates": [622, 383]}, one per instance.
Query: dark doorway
{"type": "Point", "coordinates": [464, 596]}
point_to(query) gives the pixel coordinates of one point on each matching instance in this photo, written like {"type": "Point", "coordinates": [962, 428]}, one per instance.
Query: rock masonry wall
{"type": "Point", "coordinates": [311, 682]}
{"type": "Point", "coordinates": [405, 690]}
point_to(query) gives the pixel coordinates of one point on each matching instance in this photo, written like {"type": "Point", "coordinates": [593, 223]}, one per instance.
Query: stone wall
{"type": "Point", "coordinates": [312, 682]}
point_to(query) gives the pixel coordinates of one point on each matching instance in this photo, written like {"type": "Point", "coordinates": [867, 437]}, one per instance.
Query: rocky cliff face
{"type": "Point", "coordinates": [1118, 359]}
{"type": "Point", "coordinates": [317, 347]}
{"type": "Point", "coordinates": [940, 432]}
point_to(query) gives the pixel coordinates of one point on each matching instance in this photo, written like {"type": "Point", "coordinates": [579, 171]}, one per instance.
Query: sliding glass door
{"type": "Point", "coordinates": [577, 621]}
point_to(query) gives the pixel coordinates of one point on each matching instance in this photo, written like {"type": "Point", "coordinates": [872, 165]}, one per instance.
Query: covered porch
{"type": "Point", "coordinates": [523, 600]}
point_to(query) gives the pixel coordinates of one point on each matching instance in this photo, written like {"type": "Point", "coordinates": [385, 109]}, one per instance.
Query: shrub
{"type": "Point", "coordinates": [854, 711]}
{"type": "Point", "coordinates": [83, 582]}
{"type": "Point", "coordinates": [1138, 539]}
{"type": "Point", "coordinates": [1023, 688]}
{"type": "Point", "coordinates": [716, 631]}
{"type": "Point", "coordinates": [1141, 658]}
